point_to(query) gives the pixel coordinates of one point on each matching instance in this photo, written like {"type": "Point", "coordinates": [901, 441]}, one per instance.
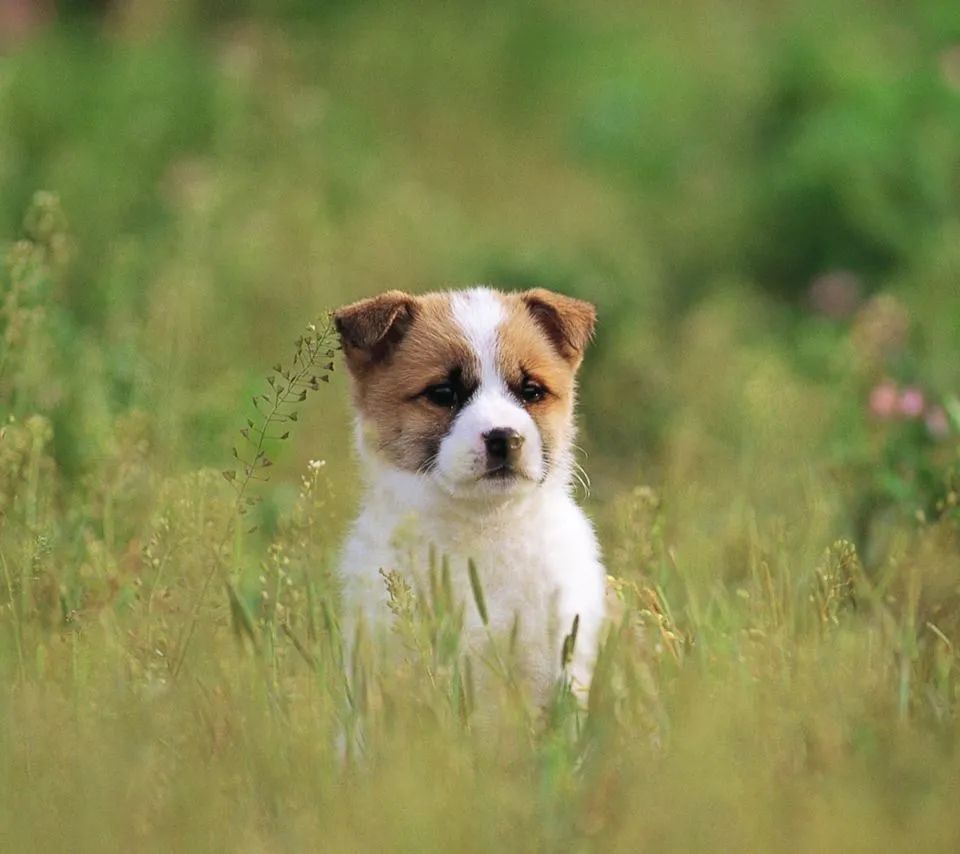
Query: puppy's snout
{"type": "Point", "coordinates": [503, 445]}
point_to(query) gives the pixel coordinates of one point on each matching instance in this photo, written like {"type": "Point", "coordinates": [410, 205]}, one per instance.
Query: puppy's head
{"type": "Point", "coordinates": [472, 389]}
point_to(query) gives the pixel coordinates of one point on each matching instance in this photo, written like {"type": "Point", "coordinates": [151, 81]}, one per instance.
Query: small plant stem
{"type": "Point", "coordinates": [314, 350]}
{"type": "Point", "coordinates": [17, 624]}
{"type": "Point", "coordinates": [153, 589]}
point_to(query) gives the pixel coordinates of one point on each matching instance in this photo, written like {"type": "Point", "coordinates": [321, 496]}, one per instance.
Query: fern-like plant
{"type": "Point", "coordinates": [276, 409]}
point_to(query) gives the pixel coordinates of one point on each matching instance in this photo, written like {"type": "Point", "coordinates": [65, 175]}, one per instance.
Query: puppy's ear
{"type": "Point", "coordinates": [566, 321]}
{"type": "Point", "coordinates": [371, 328]}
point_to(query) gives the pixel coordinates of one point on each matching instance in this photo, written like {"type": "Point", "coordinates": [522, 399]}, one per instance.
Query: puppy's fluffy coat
{"type": "Point", "coordinates": [464, 404]}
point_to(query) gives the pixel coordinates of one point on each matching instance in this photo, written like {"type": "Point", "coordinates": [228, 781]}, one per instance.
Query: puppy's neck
{"type": "Point", "coordinates": [398, 492]}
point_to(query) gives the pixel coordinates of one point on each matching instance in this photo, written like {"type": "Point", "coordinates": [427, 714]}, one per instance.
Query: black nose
{"type": "Point", "coordinates": [503, 444]}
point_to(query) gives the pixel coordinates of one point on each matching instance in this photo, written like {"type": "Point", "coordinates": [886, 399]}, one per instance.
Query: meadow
{"type": "Point", "coordinates": [763, 201]}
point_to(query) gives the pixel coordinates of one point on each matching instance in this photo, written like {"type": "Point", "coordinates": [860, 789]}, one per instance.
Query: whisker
{"type": "Point", "coordinates": [581, 474]}
{"type": "Point", "coordinates": [578, 474]}
{"type": "Point", "coordinates": [583, 483]}
{"type": "Point", "coordinates": [426, 466]}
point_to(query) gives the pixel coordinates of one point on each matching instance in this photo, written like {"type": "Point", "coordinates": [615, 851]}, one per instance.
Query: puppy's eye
{"type": "Point", "coordinates": [443, 394]}
{"type": "Point", "coordinates": [531, 391]}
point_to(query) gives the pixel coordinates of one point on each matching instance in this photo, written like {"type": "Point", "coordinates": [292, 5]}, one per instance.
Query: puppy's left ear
{"type": "Point", "coordinates": [371, 328]}
{"type": "Point", "coordinates": [567, 322]}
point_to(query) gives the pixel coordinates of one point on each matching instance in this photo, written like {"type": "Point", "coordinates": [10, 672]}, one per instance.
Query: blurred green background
{"type": "Point", "coordinates": [763, 200]}
{"type": "Point", "coordinates": [229, 170]}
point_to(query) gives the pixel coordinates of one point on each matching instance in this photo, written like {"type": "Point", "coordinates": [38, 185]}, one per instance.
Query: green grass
{"type": "Point", "coordinates": [183, 192]}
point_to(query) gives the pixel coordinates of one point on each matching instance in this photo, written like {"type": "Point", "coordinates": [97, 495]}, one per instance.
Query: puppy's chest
{"type": "Point", "coordinates": [522, 566]}
{"type": "Point", "coordinates": [515, 566]}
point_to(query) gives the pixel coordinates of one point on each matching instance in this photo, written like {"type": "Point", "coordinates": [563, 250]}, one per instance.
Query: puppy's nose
{"type": "Point", "coordinates": [503, 444]}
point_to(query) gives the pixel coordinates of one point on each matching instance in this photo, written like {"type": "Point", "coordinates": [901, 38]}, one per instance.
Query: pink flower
{"type": "Point", "coordinates": [937, 422]}
{"type": "Point", "coordinates": [912, 403]}
{"type": "Point", "coordinates": [884, 399]}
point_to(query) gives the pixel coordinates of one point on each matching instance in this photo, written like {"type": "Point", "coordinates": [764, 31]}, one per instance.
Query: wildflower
{"type": "Point", "coordinates": [316, 465]}
{"type": "Point", "coordinates": [938, 425]}
{"type": "Point", "coordinates": [911, 403]}
{"type": "Point", "coordinates": [884, 400]}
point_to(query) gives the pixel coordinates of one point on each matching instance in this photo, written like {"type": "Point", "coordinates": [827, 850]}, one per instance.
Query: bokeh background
{"type": "Point", "coordinates": [730, 185]}
{"type": "Point", "coordinates": [762, 199]}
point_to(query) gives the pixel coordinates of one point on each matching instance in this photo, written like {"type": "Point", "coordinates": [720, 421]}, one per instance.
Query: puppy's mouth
{"type": "Point", "coordinates": [504, 473]}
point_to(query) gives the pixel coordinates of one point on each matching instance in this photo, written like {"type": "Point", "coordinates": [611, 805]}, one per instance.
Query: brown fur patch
{"type": "Point", "coordinates": [528, 349]}
{"type": "Point", "coordinates": [408, 428]}
{"type": "Point", "coordinates": [566, 321]}
{"type": "Point", "coordinates": [370, 328]}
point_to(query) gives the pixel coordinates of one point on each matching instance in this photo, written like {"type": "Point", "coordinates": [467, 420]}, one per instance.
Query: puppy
{"type": "Point", "coordinates": [464, 405]}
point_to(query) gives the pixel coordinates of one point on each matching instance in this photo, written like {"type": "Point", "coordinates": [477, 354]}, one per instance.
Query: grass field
{"type": "Point", "coordinates": [763, 200]}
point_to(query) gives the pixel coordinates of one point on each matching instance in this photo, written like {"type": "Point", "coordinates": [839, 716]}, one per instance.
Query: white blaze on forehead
{"type": "Point", "coordinates": [479, 313]}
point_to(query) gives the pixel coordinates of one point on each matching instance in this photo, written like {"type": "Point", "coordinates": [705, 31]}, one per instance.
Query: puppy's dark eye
{"type": "Point", "coordinates": [443, 394]}
{"type": "Point", "coordinates": [531, 391]}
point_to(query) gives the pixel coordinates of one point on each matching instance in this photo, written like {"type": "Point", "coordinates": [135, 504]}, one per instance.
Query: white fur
{"type": "Point", "coordinates": [535, 551]}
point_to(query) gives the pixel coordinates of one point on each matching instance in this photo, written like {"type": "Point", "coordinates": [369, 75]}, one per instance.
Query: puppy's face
{"type": "Point", "coordinates": [472, 389]}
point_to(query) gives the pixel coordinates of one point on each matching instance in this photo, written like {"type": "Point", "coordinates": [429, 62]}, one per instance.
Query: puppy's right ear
{"type": "Point", "coordinates": [371, 328]}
